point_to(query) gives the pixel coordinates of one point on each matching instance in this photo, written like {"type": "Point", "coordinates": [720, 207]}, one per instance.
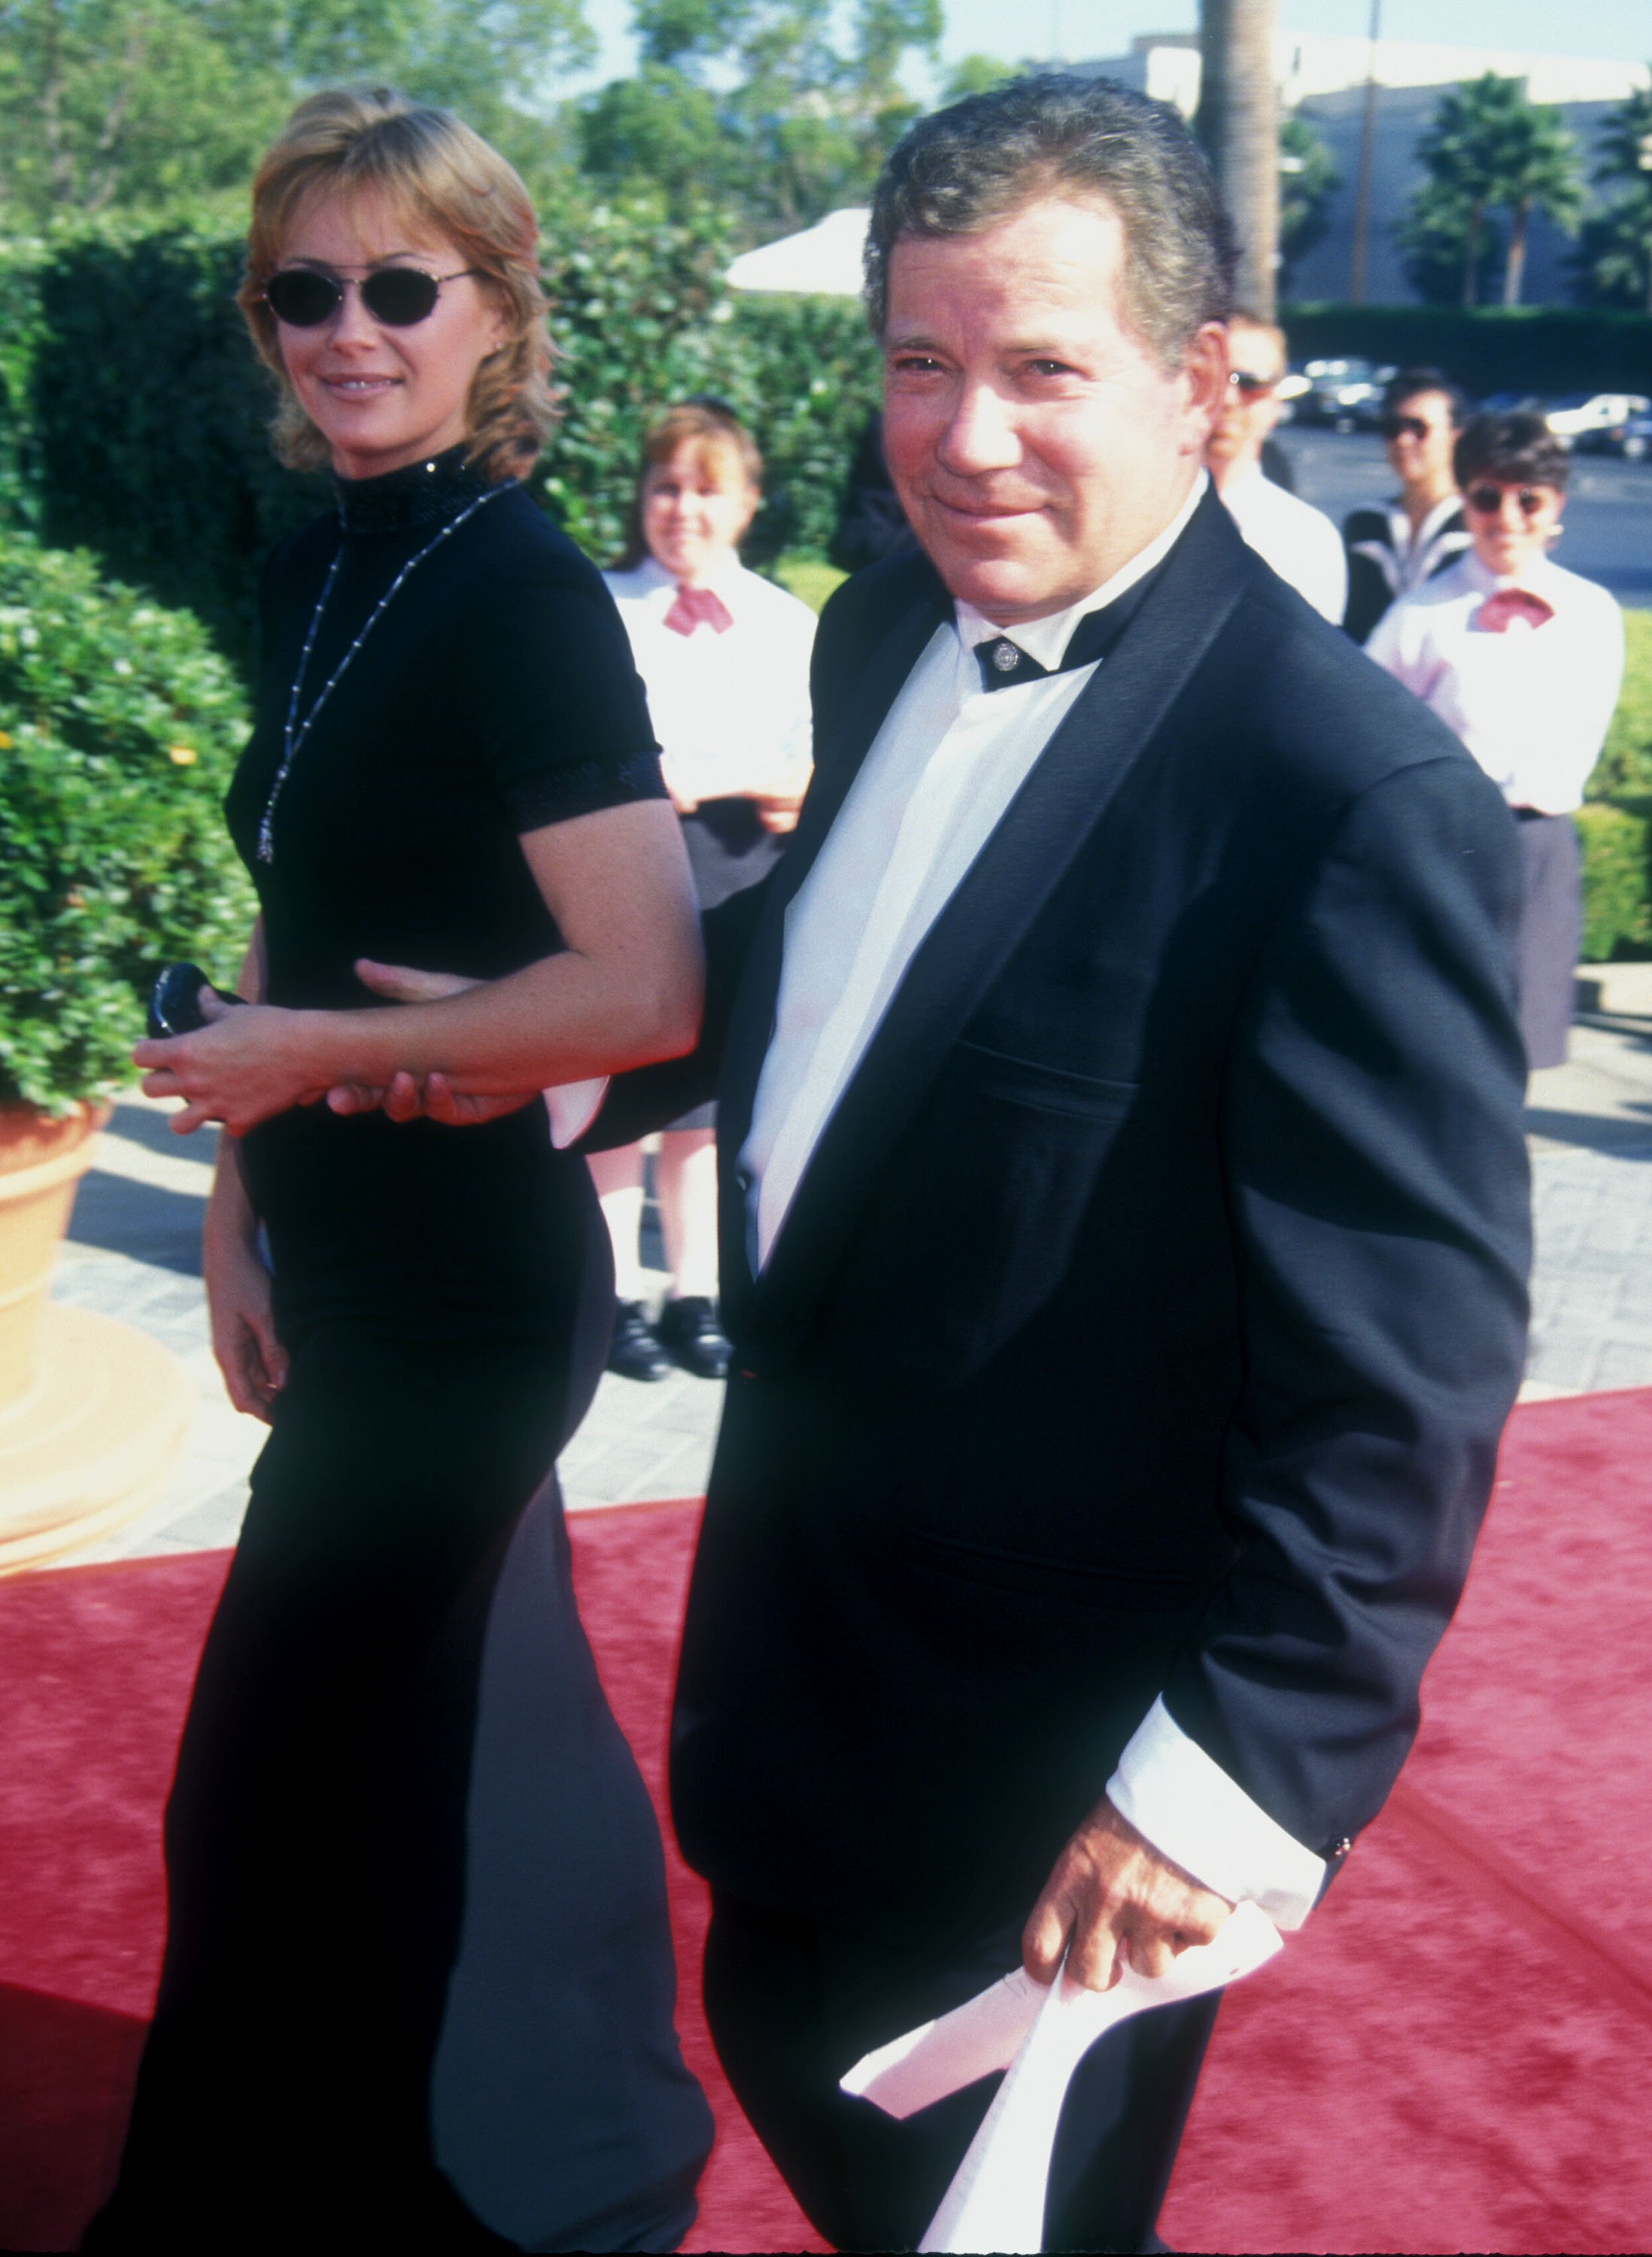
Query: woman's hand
{"type": "Point", "coordinates": [246, 1063]}
{"type": "Point", "coordinates": [252, 1360]}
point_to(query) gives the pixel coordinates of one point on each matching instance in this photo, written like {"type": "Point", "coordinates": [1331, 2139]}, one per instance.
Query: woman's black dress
{"type": "Point", "coordinates": [419, 1988]}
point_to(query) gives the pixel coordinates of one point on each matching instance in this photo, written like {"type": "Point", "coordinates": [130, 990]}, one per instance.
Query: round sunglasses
{"type": "Point", "coordinates": [303, 297]}
{"type": "Point", "coordinates": [1488, 499]}
{"type": "Point", "coordinates": [1404, 427]}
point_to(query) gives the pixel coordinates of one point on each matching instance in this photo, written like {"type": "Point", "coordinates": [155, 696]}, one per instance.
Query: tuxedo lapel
{"type": "Point", "coordinates": [881, 677]}
{"type": "Point", "coordinates": [1023, 862]}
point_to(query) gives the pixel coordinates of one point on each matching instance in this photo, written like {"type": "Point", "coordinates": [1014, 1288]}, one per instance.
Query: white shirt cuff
{"type": "Point", "coordinates": [1189, 1809]}
{"type": "Point", "coordinates": [573, 1105]}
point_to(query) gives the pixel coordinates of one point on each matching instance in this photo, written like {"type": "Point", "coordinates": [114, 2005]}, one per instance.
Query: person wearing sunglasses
{"type": "Point", "coordinates": [1299, 542]}
{"type": "Point", "coordinates": [419, 1988]}
{"type": "Point", "coordinates": [1524, 661]}
{"type": "Point", "coordinates": [1395, 545]}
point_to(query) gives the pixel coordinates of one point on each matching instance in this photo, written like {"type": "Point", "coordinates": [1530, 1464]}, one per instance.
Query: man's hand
{"type": "Point", "coordinates": [777, 810]}
{"type": "Point", "coordinates": [405, 1098]}
{"type": "Point", "coordinates": [1112, 1898]}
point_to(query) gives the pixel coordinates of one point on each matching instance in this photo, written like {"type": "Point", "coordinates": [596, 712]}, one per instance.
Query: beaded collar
{"type": "Point", "coordinates": [422, 494]}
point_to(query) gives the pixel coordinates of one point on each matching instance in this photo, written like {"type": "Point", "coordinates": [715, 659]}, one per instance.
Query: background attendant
{"type": "Point", "coordinates": [1394, 547]}
{"type": "Point", "coordinates": [418, 1988]}
{"type": "Point", "coordinates": [1524, 661]}
{"type": "Point", "coordinates": [1298, 540]}
{"type": "Point", "coordinates": [725, 654]}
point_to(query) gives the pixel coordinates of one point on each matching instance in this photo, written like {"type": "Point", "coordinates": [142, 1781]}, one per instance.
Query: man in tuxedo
{"type": "Point", "coordinates": [1124, 1206]}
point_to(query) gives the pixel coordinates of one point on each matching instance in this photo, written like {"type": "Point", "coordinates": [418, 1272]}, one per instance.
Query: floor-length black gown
{"type": "Point", "coordinates": [418, 1989]}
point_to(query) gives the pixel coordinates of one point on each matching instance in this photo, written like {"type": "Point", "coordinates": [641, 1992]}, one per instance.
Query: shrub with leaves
{"type": "Point", "coordinates": [1616, 921]}
{"type": "Point", "coordinates": [119, 726]}
{"type": "Point", "coordinates": [20, 336]}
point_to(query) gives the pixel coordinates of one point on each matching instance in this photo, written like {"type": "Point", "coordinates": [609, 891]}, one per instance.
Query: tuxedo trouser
{"type": "Point", "coordinates": [793, 2004]}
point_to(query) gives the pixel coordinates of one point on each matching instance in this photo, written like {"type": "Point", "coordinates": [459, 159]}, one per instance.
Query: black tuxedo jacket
{"type": "Point", "coordinates": [1149, 1314]}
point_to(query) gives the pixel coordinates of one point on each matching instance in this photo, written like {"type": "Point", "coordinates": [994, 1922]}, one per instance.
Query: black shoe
{"type": "Point", "coordinates": [689, 1330]}
{"type": "Point", "coordinates": [635, 1352]}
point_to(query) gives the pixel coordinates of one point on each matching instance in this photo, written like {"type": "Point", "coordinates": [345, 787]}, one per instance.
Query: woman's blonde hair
{"type": "Point", "coordinates": [434, 172]}
{"type": "Point", "coordinates": [710, 428]}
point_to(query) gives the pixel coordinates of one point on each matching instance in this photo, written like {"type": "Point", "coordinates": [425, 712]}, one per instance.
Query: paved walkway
{"type": "Point", "coordinates": [134, 1253]}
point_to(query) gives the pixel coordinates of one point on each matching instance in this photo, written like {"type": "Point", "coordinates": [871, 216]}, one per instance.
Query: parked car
{"type": "Point", "coordinates": [1293, 387]}
{"type": "Point", "coordinates": [1580, 417]}
{"type": "Point", "coordinates": [1611, 434]}
{"type": "Point", "coordinates": [1344, 394]}
{"type": "Point", "coordinates": [1632, 438]}
{"type": "Point", "coordinates": [1511, 403]}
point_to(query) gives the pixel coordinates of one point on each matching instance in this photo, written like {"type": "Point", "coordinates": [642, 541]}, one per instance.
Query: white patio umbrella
{"type": "Point", "coordinates": [824, 259]}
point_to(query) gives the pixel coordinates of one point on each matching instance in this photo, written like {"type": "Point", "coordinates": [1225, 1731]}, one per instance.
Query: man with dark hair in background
{"type": "Point", "coordinates": [1298, 540]}
{"type": "Point", "coordinates": [1394, 547]}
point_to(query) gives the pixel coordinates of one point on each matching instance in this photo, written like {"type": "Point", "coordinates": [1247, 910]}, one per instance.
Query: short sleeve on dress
{"type": "Point", "coordinates": [562, 725]}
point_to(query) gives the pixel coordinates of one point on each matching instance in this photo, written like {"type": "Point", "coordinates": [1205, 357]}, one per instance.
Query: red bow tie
{"type": "Point", "coordinates": [1499, 610]}
{"type": "Point", "coordinates": [694, 605]}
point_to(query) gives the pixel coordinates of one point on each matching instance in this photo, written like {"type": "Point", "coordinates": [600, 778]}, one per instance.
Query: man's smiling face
{"type": "Point", "coordinates": [1036, 440]}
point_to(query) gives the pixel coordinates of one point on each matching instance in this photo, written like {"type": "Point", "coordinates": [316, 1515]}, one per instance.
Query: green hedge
{"type": "Point", "coordinates": [1615, 830]}
{"type": "Point", "coordinates": [1615, 920]}
{"type": "Point", "coordinates": [19, 340]}
{"type": "Point", "coordinates": [1531, 349]}
{"type": "Point", "coordinates": [119, 726]}
{"type": "Point", "coordinates": [142, 434]}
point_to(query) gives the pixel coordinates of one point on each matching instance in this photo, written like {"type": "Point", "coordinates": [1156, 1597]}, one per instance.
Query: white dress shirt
{"type": "Point", "coordinates": [731, 710]}
{"type": "Point", "coordinates": [1299, 542]}
{"type": "Point", "coordinates": [1533, 704]}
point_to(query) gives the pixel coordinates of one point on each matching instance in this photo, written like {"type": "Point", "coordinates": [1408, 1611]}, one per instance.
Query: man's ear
{"type": "Point", "coordinates": [1205, 368]}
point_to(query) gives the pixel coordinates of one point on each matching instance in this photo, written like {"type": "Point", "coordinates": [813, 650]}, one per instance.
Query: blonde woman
{"type": "Point", "coordinates": [725, 654]}
{"type": "Point", "coordinates": [418, 1989]}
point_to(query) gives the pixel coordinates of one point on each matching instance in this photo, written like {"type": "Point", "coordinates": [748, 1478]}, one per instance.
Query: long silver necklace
{"type": "Point", "coordinates": [295, 732]}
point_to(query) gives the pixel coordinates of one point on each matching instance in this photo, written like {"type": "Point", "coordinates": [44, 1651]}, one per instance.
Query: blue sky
{"type": "Point", "coordinates": [1081, 29]}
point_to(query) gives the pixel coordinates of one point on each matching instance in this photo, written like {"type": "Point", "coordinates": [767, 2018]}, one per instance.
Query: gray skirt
{"type": "Point", "coordinates": [1551, 934]}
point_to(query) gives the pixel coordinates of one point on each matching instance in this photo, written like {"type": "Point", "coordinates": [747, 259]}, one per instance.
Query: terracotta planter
{"type": "Point", "coordinates": [93, 1415]}
{"type": "Point", "coordinates": [42, 1160]}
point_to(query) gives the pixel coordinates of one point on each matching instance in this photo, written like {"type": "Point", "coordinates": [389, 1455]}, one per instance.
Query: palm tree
{"type": "Point", "coordinates": [1487, 147]}
{"type": "Point", "coordinates": [1239, 124]}
{"type": "Point", "coordinates": [1539, 175]}
{"type": "Point", "coordinates": [1308, 179]}
{"type": "Point", "coordinates": [1624, 150]}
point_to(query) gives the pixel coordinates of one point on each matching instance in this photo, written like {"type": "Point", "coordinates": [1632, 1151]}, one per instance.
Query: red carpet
{"type": "Point", "coordinates": [1450, 2057]}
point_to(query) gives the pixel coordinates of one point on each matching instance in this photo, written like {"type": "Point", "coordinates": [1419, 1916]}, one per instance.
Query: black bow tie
{"type": "Point", "coordinates": [1003, 664]}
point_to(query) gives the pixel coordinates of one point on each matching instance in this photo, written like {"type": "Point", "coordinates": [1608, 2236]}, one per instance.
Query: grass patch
{"type": "Point", "coordinates": [811, 579]}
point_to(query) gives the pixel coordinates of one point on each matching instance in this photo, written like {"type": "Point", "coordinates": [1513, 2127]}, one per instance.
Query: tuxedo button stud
{"type": "Point", "coordinates": [1003, 664]}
